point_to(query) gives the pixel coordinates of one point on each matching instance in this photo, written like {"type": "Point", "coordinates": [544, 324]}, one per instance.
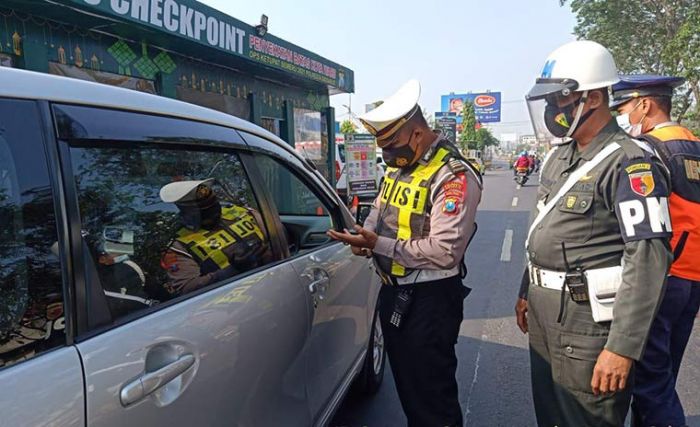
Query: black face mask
{"type": "Point", "coordinates": [195, 217]}
{"type": "Point", "coordinates": [559, 119]}
{"type": "Point", "coordinates": [399, 157]}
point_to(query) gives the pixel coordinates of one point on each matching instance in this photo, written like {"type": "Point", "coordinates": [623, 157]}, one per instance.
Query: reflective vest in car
{"type": "Point", "coordinates": [680, 151]}
{"type": "Point", "coordinates": [405, 205]}
{"type": "Point", "coordinates": [238, 236]}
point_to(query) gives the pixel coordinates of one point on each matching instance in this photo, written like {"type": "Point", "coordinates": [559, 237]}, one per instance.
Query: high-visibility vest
{"type": "Point", "coordinates": [679, 149]}
{"type": "Point", "coordinates": [404, 211]}
{"type": "Point", "coordinates": [240, 234]}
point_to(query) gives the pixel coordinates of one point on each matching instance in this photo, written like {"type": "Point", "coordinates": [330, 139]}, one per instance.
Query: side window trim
{"type": "Point", "coordinates": [267, 207]}
{"type": "Point", "coordinates": [73, 316]}
{"type": "Point", "coordinates": [333, 209]}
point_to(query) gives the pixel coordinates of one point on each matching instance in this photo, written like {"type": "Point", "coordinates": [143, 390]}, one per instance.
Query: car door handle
{"type": "Point", "coordinates": [319, 285]}
{"type": "Point", "coordinates": [152, 381]}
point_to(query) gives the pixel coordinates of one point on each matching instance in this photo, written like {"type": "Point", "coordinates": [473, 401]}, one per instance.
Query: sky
{"type": "Point", "coordinates": [449, 46]}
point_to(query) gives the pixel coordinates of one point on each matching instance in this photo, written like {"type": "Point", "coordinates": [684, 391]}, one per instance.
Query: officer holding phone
{"type": "Point", "coordinates": [417, 232]}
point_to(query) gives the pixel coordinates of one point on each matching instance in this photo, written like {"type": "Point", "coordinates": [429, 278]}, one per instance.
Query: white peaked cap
{"type": "Point", "coordinates": [396, 110]}
{"type": "Point", "coordinates": [182, 191]}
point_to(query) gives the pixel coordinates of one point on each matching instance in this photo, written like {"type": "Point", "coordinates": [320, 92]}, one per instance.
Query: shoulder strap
{"type": "Point", "coordinates": [573, 179]}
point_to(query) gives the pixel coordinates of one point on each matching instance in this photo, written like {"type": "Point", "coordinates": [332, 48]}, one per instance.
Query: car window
{"type": "Point", "coordinates": [304, 216]}
{"type": "Point", "coordinates": [31, 292]}
{"type": "Point", "coordinates": [147, 248]}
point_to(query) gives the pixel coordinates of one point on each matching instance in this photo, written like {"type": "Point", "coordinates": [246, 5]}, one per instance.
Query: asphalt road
{"type": "Point", "coordinates": [493, 371]}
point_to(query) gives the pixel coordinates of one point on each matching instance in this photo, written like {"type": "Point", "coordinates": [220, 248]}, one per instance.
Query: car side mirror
{"type": "Point", "coordinates": [362, 212]}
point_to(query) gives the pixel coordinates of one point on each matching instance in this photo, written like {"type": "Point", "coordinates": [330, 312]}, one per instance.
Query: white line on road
{"type": "Point", "coordinates": [515, 202]}
{"type": "Point", "coordinates": [518, 187]}
{"type": "Point", "coordinates": [507, 243]}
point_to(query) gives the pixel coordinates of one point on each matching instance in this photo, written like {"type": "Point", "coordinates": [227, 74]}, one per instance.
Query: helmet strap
{"type": "Point", "coordinates": [577, 118]}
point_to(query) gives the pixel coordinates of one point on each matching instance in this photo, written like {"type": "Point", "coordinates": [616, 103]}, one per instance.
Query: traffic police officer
{"type": "Point", "coordinates": [417, 232]}
{"type": "Point", "coordinates": [597, 250]}
{"type": "Point", "coordinates": [214, 243]}
{"type": "Point", "coordinates": [643, 104]}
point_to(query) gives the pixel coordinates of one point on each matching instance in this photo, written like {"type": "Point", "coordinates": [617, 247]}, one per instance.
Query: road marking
{"type": "Point", "coordinates": [507, 244]}
{"type": "Point", "coordinates": [515, 202]}
{"type": "Point", "coordinates": [518, 187]}
{"type": "Point", "coordinates": [475, 379]}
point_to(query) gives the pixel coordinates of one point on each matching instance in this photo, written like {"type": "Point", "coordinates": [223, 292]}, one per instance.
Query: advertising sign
{"type": "Point", "coordinates": [447, 124]}
{"type": "Point", "coordinates": [487, 106]}
{"type": "Point", "coordinates": [361, 163]}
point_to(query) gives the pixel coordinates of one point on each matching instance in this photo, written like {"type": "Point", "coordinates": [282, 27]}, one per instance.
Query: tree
{"type": "Point", "coordinates": [469, 134]}
{"type": "Point", "coordinates": [484, 138]}
{"type": "Point", "coordinates": [347, 127]}
{"type": "Point", "coordinates": [649, 36]}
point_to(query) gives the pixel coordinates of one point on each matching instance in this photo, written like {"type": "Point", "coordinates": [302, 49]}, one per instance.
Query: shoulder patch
{"type": "Point", "coordinates": [641, 200]}
{"type": "Point", "coordinates": [455, 192]}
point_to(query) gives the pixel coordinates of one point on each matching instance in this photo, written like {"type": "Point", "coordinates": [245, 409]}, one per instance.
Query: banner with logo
{"type": "Point", "coordinates": [487, 106]}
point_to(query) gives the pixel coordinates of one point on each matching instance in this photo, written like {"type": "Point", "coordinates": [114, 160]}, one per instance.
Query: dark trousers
{"type": "Point", "coordinates": [562, 358]}
{"type": "Point", "coordinates": [422, 351]}
{"type": "Point", "coordinates": [655, 401]}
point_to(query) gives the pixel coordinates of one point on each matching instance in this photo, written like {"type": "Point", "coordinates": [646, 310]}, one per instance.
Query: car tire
{"type": "Point", "coordinates": [372, 374]}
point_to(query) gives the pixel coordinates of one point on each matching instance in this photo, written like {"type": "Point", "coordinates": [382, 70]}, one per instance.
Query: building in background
{"type": "Point", "coordinates": [185, 50]}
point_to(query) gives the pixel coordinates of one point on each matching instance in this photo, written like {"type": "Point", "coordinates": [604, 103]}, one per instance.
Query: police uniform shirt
{"type": "Point", "coordinates": [448, 229]}
{"type": "Point", "coordinates": [617, 212]}
{"type": "Point", "coordinates": [187, 275]}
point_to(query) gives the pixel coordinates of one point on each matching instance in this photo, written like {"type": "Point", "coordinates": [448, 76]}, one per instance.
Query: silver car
{"type": "Point", "coordinates": [92, 330]}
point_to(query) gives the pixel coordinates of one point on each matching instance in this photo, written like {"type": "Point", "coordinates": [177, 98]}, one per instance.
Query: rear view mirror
{"type": "Point", "coordinates": [362, 212]}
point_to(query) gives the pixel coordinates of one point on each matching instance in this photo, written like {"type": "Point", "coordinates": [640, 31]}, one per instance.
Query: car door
{"type": "Point", "coordinates": [229, 352]}
{"type": "Point", "coordinates": [40, 371]}
{"type": "Point", "coordinates": [341, 287]}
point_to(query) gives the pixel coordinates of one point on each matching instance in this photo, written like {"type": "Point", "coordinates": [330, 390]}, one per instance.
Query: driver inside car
{"type": "Point", "coordinates": [214, 243]}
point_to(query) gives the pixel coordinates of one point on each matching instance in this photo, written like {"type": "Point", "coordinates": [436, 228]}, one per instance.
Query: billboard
{"type": "Point", "coordinates": [487, 105]}
{"type": "Point", "coordinates": [447, 124]}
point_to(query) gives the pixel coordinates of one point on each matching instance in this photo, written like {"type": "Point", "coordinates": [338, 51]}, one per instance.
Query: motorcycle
{"type": "Point", "coordinates": [521, 175]}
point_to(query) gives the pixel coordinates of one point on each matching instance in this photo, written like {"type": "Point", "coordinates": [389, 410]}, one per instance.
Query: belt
{"type": "Point", "coordinates": [419, 276]}
{"type": "Point", "coordinates": [549, 279]}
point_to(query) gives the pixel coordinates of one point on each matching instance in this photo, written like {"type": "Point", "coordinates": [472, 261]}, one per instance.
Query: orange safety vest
{"type": "Point", "coordinates": [680, 151]}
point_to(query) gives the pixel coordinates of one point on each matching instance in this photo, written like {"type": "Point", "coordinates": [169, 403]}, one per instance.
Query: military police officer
{"type": "Point", "coordinates": [643, 104]}
{"type": "Point", "coordinates": [597, 250]}
{"type": "Point", "coordinates": [214, 243]}
{"type": "Point", "coordinates": [417, 232]}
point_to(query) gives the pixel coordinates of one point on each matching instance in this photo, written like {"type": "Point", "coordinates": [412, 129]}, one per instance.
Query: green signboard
{"type": "Point", "coordinates": [202, 24]}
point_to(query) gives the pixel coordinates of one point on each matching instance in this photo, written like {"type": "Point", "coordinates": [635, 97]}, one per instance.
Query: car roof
{"type": "Point", "coordinates": [25, 84]}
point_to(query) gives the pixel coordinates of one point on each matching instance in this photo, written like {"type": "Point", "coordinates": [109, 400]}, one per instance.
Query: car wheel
{"type": "Point", "coordinates": [372, 373]}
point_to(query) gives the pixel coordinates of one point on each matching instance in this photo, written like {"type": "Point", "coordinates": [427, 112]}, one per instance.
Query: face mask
{"type": "Point", "coordinates": [561, 121]}
{"type": "Point", "coordinates": [194, 217]}
{"type": "Point", "coordinates": [399, 157]}
{"type": "Point", "coordinates": [623, 120]}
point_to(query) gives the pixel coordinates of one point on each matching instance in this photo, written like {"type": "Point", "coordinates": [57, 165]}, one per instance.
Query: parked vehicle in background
{"type": "Point", "coordinates": [91, 333]}
{"type": "Point", "coordinates": [341, 177]}
{"type": "Point", "coordinates": [478, 164]}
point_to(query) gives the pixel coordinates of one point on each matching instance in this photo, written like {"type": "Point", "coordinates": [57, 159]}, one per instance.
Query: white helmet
{"type": "Point", "coordinates": [576, 66]}
{"type": "Point", "coordinates": [579, 66]}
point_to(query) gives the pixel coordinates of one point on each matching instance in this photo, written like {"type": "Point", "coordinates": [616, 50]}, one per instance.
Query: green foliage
{"type": "Point", "coordinates": [649, 36]}
{"type": "Point", "coordinates": [484, 138]}
{"type": "Point", "coordinates": [347, 127]}
{"type": "Point", "coordinates": [469, 135]}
